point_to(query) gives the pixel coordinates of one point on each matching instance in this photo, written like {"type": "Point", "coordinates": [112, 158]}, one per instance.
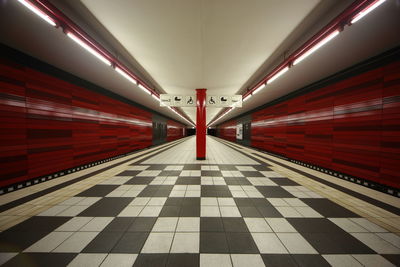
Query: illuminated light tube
{"type": "Point", "coordinates": [315, 47]}
{"type": "Point", "coordinates": [366, 11]}
{"type": "Point", "coordinates": [125, 75]}
{"type": "Point", "coordinates": [144, 89]}
{"type": "Point", "coordinates": [259, 89]}
{"type": "Point", "coordinates": [246, 98]}
{"type": "Point", "coordinates": [155, 97]}
{"type": "Point", "coordinates": [276, 76]}
{"type": "Point", "coordinates": [38, 12]}
{"type": "Point", "coordinates": [88, 48]}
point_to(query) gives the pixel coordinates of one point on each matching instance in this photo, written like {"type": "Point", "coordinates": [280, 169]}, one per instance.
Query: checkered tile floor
{"type": "Point", "coordinates": [198, 215]}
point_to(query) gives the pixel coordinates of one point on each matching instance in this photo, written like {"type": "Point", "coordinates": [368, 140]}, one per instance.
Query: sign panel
{"type": "Point", "coordinates": [239, 131]}
{"type": "Point", "coordinates": [218, 101]}
{"type": "Point", "coordinates": [177, 100]}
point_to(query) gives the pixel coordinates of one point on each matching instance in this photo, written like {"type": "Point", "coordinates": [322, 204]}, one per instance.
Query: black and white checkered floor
{"type": "Point", "coordinates": [198, 215]}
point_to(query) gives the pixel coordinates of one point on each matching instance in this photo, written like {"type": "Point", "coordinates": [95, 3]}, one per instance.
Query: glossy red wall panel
{"type": "Point", "coordinates": [351, 126]}
{"type": "Point", "coordinates": [48, 125]}
{"type": "Point", "coordinates": [175, 130]}
{"type": "Point", "coordinates": [228, 131]}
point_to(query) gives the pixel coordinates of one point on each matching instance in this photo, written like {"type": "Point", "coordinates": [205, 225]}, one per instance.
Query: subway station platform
{"type": "Point", "coordinates": [162, 207]}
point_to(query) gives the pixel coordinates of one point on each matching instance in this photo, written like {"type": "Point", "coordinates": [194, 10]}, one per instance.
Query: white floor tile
{"type": "Point", "coordinates": [119, 260]}
{"type": "Point", "coordinates": [269, 243]}
{"type": "Point", "coordinates": [257, 225]}
{"type": "Point", "coordinates": [72, 211]}
{"type": "Point", "coordinates": [280, 225]}
{"type": "Point", "coordinates": [209, 201]}
{"type": "Point", "coordinates": [151, 211]}
{"type": "Point", "coordinates": [6, 256]}
{"type": "Point", "coordinates": [308, 212]}
{"type": "Point", "coordinates": [165, 224]}
{"type": "Point", "coordinates": [348, 225]}
{"type": "Point", "coordinates": [158, 243]}
{"type": "Point", "coordinates": [242, 260]}
{"type": "Point", "coordinates": [341, 260]}
{"type": "Point", "coordinates": [373, 260]}
{"type": "Point", "coordinates": [188, 224]}
{"type": "Point", "coordinates": [140, 201]}
{"type": "Point", "coordinates": [186, 243]}
{"type": "Point", "coordinates": [49, 242]}
{"type": "Point", "coordinates": [210, 211]}
{"type": "Point", "coordinates": [376, 243]}
{"type": "Point", "coordinates": [372, 227]}
{"type": "Point", "coordinates": [74, 224]}
{"type": "Point", "coordinates": [296, 244]}
{"type": "Point", "coordinates": [229, 211]}
{"type": "Point", "coordinates": [289, 212]}
{"type": "Point", "coordinates": [226, 201]}
{"type": "Point", "coordinates": [157, 201]}
{"type": "Point", "coordinates": [215, 260]}
{"type": "Point", "coordinates": [76, 242]}
{"type": "Point", "coordinates": [131, 211]}
{"type": "Point", "coordinates": [87, 260]}
{"type": "Point", "coordinates": [97, 224]}
{"type": "Point", "coordinates": [391, 238]}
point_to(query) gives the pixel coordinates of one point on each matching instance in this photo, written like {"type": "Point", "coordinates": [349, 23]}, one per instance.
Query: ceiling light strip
{"type": "Point", "coordinates": [277, 75]}
{"type": "Point", "coordinates": [125, 75]}
{"type": "Point", "coordinates": [38, 12]}
{"type": "Point", "coordinates": [366, 11]}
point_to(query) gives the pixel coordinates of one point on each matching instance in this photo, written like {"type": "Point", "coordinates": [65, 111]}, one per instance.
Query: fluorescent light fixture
{"type": "Point", "coordinates": [88, 48]}
{"type": "Point", "coordinates": [259, 89]}
{"type": "Point", "coordinates": [126, 75]}
{"type": "Point", "coordinates": [144, 89]}
{"type": "Point", "coordinates": [246, 98]}
{"type": "Point", "coordinates": [366, 11]}
{"type": "Point", "coordinates": [155, 97]}
{"type": "Point", "coordinates": [276, 76]}
{"type": "Point", "coordinates": [317, 46]}
{"type": "Point", "coordinates": [38, 12]}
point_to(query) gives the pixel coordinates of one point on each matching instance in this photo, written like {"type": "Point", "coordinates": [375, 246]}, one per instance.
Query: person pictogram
{"type": "Point", "coordinates": [190, 101]}
{"type": "Point", "coordinates": [211, 101]}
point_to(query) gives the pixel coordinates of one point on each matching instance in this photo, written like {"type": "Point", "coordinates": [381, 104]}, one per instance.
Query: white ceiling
{"type": "Point", "coordinates": [180, 45]}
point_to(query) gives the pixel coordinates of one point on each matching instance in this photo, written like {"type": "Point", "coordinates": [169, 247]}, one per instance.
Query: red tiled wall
{"type": "Point", "coordinates": [47, 125]}
{"type": "Point", "coordinates": [227, 130]}
{"type": "Point", "coordinates": [175, 130]}
{"type": "Point", "coordinates": [352, 126]}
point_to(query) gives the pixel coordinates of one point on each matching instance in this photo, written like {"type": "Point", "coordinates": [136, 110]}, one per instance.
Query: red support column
{"type": "Point", "coordinates": [201, 124]}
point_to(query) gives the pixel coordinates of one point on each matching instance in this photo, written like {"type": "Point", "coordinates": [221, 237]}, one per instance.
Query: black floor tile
{"type": "Point", "coordinates": [227, 167]}
{"type": "Point", "coordinates": [211, 224]}
{"type": "Point", "coordinates": [107, 207]}
{"type": "Point", "coordinates": [128, 173]}
{"type": "Point", "coordinates": [244, 202]}
{"type": "Point", "coordinates": [236, 181]}
{"type": "Point", "coordinates": [148, 192]}
{"type": "Point", "coordinates": [234, 225]}
{"type": "Point", "coordinates": [261, 202]}
{"type": "Point", "coordinates": [142, 224]}
{"type": "Point", "coordinates": [336, 243]}
{"type": "Point", "coordinates": [155, 167]}
{"type": "Point", "coordinates": [162, 193]}
{"type": "Point", "coordinates": [19, 241]}
{"type": "Point", "coordinates": [103, 242]}
{"type": "Point", "coordinates": [274, 191]}
{"type": "Point", "coordinates": [170, 173]}
{"type": "Point", "coordinates": [119, 224]}
{"type": "Point", "coordinates": [252, 174]}
{"type": "Point", "coordinates": [192, 167]}
{"type": "Point", "coordinates": [314, 225]}
{"type": "Point", "coordinates": [278, 260]}
{"type": "Point", "coordinates": [328, 208]}
{"type": "Point", "coordinates": [170, 211]}
{"type": "Point", "coordinates": [191, 201]}
{"type": "Point", "coordinates": [39, 224]}
{"type": "Point", "coordinates": [174, 201]}
{"type": "Point", "coordinates": [190, 211]}
{"type": "Point", "coordinates": [241, 243]}
{"type": "Point", "coordinates": [213, 242]}
{"type": "Point", "coordinates": [188, 181]}
{"type": "Point", "coordinates": [284, 182]}
{"type": "Point", "coordinates": [269, 212]}
{"type": "Point", "coordinates": [151, 260]}
{"type": "Point", "coordinates": [306, 260]}
{"type": "Point", "coordinates": [183, 260]}
{"type": "Point", "coordinates": [211, 173]}
{"type": "Point", "coordinates": [249, 212]}
{"type": "Point", "coordinates": [97, 191]}
{"type": "Point", "coordinates": [41, 259]}
{"type": "Point", "coordinates": [393, 258]}
{"type": "Point", "coordinates": [140, 180]}
{"type": "Point", "coordinates": [130, 242]}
